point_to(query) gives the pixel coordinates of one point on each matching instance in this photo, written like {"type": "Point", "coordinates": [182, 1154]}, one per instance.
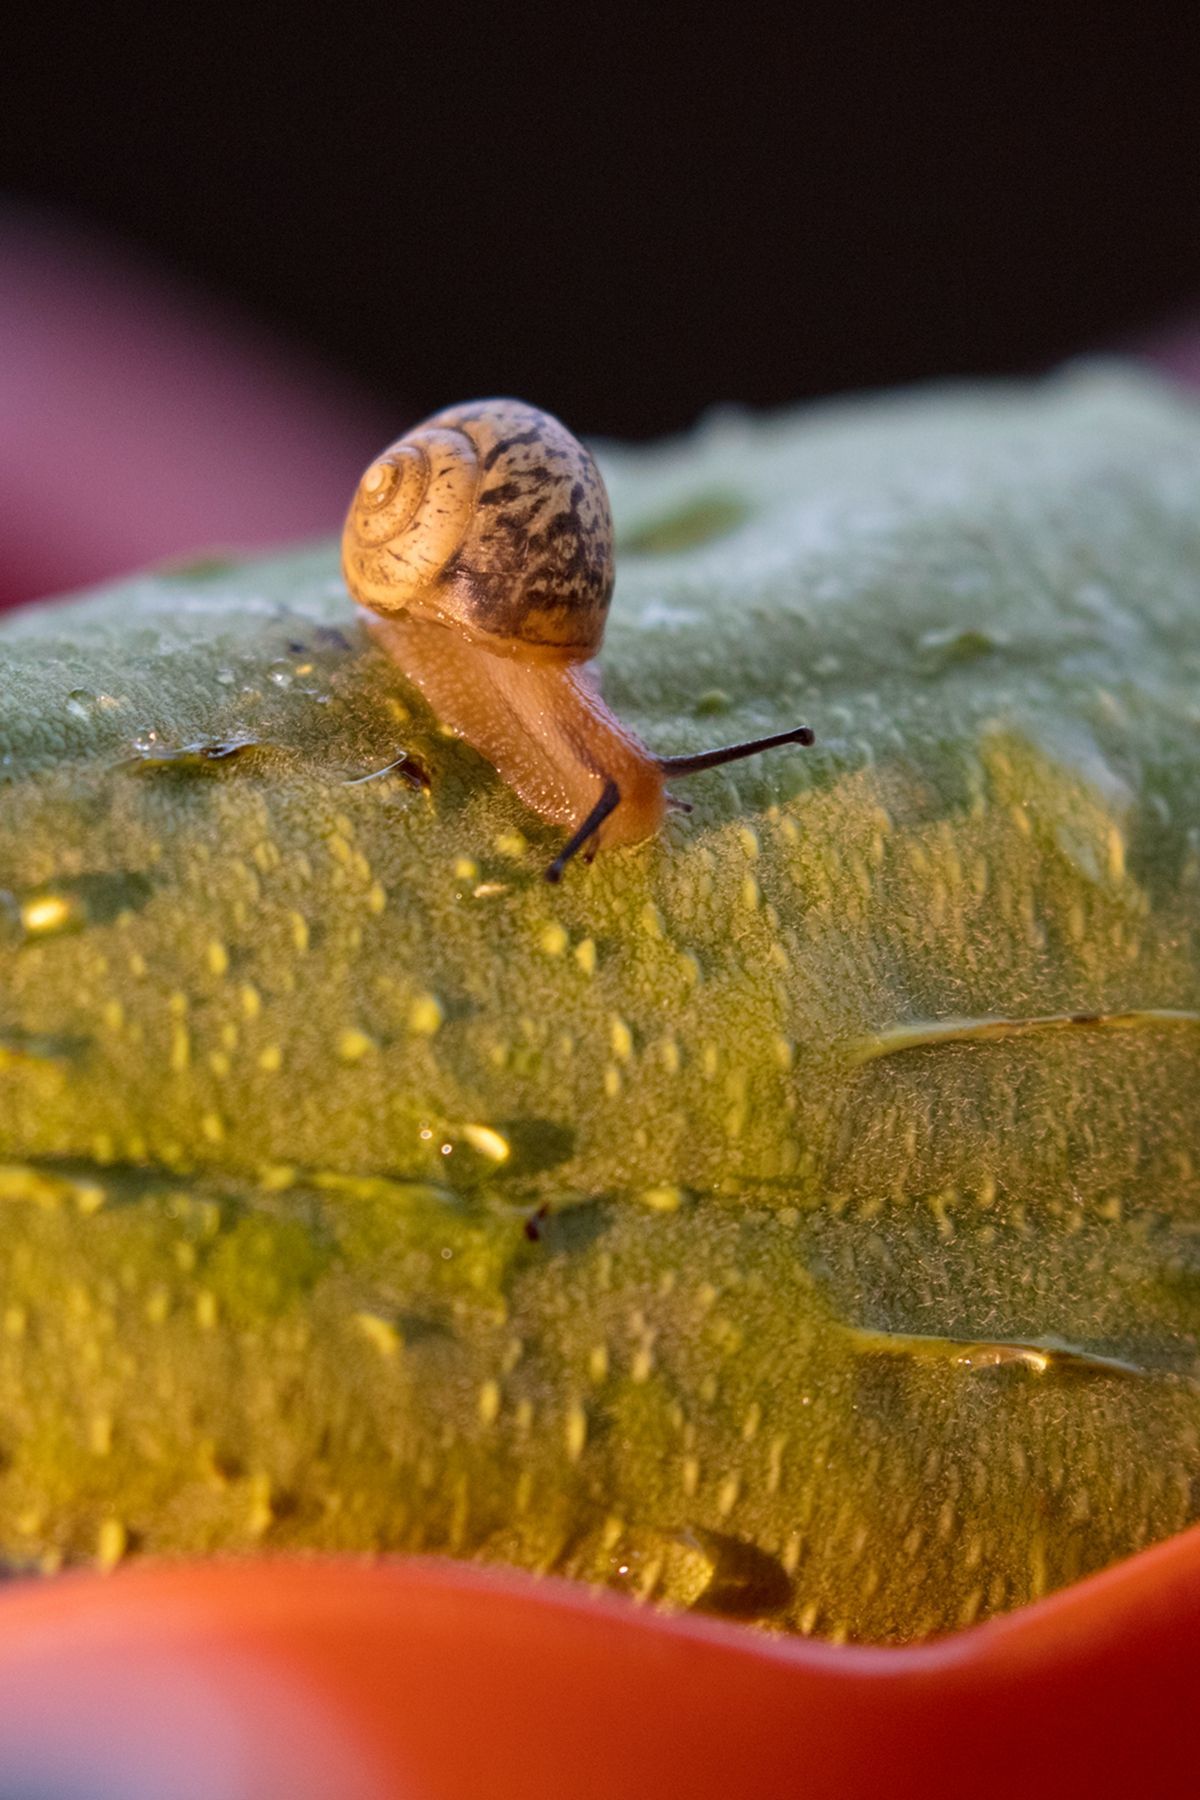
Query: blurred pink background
{"type": "Point", "coordinates": [141, 422]}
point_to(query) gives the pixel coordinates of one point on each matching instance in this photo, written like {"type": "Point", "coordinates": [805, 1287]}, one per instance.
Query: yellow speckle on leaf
{"type": "Point", "coordinates": [353, 1044]}
{"type": "Point", "coordinates": [217, 957]}
{"type": "Point", "coordinates": [553, 938]}
{"type": "Point", "coordinates": [261, 1514]}
{"type": "Point", "coordinates": [512, 844]}
{"type": "Point", "coordinates": [489, 1401]}
{"type": "Point", "coordinates": [112, 1540]}
{"type": "Point", "coordinates": [380, 1333]}
{"type": "Point", "coordinates": [1116, 854]}
{"type": "Point", "coordinates": [585, 955]}
{"type": "Point", "coordinates": [663, 1199]}
{"type": "Point", "coordinates": [575, 1434]}
{"type": "Point", "coordinates": [270, 1059]}
{"type": "Point", "coordinates": [727, 1495]}
{"type": "Point", "coordinates": [621, 1039]}
{"type": "Point", "coordinates": [651, 920]}
{"type": "Point", "coordinates": [425, 1015]}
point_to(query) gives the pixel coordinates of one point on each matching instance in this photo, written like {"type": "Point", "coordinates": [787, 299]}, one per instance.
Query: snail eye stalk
{"type": "Point", "coordinates": [609, 800]}
{"type": "Point", "coordinates": [713, 759]}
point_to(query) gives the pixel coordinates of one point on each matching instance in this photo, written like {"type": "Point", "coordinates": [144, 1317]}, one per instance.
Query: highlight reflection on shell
{"type": "Point", "coordinates": [490, 517]}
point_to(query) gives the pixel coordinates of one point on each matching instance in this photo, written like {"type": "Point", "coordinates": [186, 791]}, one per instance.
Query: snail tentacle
{"type": "Point", "coordinates": [608, 802]}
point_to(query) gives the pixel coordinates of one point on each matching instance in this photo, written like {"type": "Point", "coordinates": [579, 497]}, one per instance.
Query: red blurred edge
{"type": "Point", "coordinates": [354, 1679]}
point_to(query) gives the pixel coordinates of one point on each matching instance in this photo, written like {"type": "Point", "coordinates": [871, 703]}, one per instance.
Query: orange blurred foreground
{"type": "Point", "coordinates": [414, 1680]}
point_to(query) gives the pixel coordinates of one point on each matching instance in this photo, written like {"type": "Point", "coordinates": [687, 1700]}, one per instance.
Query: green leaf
{"type": "Point", "coordinates": [794, 1216]}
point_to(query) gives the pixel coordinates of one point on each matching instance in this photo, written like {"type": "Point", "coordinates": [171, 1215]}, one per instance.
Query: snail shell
{"type": "Point", "coordinates": [490, 517]}
{"type": "Point", "coordinates": [482, 542]}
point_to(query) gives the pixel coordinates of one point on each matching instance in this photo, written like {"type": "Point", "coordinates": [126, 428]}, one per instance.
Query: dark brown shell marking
{"type": "Point", "coordinates": [536, 567]}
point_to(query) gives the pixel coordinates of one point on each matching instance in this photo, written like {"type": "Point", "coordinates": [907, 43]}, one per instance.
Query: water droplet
{"type": "Point", "coordinates": [711, 702]}
{"type": "Point", "coordinates": [380, 1333]}
{"type": "Point", "coordinates": [664, 1199]}
{"type": "Point", "coordinates": [951, 646]}
{"type": "Point", "coordinates": [353, 1045]}
{"type": "Point", "coordinates": [425, 1015]}
{"type": "Point", "coordinates": [46, 914]}
{"type": "Point", "coordinates": [487, 1142]}
{"type": "Point", "coordinates": [206, 758]}
{"type": "Point", "coordinates": [112, 1541]}
{"type": "Point", "coordinates": [744, 1581]}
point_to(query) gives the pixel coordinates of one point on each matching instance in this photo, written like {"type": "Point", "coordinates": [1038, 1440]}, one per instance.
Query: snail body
{"type": "Point", "coordinates": [482, 544]}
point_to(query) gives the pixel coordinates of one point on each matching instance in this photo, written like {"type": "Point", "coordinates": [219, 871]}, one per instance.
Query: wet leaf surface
{"type": "Point", "coordinates": [796, 1216]}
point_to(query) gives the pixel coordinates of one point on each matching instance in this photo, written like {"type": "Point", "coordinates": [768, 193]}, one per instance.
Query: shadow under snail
{"type": "Point", "coordinates": [482, 540]}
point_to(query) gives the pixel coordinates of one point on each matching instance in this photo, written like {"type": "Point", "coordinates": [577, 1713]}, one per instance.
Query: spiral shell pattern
{"type": "Point", "coordinates": [490, 517]}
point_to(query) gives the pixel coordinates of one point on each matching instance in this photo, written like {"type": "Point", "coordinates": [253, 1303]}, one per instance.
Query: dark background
{"type": "Point", "coordinates": [629, 222]}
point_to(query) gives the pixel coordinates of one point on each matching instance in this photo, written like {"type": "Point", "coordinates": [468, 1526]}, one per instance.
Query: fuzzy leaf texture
{"type": "Point", "coordinates": [796, 1216]}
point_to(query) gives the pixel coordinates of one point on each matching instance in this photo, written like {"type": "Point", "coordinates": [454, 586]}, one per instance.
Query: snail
{"type": "Point", "coordinates": [482, 542]}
